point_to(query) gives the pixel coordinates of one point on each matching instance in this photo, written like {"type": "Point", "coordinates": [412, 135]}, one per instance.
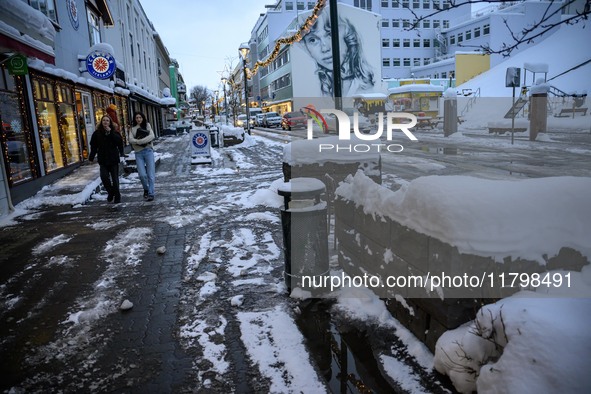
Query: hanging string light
{"type": "Point", "coordinates": [308, 23]}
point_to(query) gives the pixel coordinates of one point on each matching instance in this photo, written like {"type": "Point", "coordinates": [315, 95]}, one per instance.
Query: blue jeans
{"type": "Point", "coordinates": [146, 169]}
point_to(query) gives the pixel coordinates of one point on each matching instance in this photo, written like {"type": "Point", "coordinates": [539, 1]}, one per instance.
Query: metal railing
{"type": "Point", "coordinates": [471, 101]}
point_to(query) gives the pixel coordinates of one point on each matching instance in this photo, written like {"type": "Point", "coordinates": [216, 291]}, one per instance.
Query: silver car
{"type": "Point", "coordinates": [271, 119]}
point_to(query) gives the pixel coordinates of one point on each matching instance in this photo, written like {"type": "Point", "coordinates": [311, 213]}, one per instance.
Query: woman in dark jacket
{"type": "Point", "coordinates": [107, 144]}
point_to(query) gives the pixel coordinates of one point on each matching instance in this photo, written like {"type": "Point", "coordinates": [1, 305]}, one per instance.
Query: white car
{"type": "Point", "coordinates": [258, 120]}
{"type": "Point", "coordinates": [241, 121]}
{"type": "Point", "coordinates": [272, 119]}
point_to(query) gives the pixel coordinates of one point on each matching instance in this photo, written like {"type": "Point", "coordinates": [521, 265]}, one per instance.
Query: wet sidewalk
{"type": "Point", "coordinates": [65, 269]}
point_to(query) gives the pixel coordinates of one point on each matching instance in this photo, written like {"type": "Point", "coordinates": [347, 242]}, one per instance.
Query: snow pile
{"type": "Point", "coordinates": [527, 343]}
{"type": "Point", "coordinates": [491, 218]}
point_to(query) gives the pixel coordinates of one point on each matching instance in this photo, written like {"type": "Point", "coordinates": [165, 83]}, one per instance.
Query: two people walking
{"type": "Point", "coordinates": [106, 144]}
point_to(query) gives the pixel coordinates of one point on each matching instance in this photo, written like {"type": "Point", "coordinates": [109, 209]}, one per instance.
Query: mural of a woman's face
{"type": "Point", "coordinates": [319, 42]}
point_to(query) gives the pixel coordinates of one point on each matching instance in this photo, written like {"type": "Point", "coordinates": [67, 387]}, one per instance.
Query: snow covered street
{"type": "Point", "coordinates": [211, 311]}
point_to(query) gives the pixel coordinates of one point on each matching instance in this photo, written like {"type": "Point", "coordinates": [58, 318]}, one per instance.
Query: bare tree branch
{"type": "Point", "coordinates": [538, 28]}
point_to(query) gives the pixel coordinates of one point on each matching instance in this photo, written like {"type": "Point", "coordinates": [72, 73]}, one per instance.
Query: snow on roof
{"type": "Point", "coordinates": [419, 87]}
{"type": "Point", "coordinates": [536, 67]}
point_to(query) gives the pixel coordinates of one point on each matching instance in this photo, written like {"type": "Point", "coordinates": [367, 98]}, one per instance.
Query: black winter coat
{"type": "Point", "coordinates": [108, 148]}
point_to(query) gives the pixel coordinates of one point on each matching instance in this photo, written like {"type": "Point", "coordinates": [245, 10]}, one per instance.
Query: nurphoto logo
{"type": "Point", "coordinates": [402, 121]}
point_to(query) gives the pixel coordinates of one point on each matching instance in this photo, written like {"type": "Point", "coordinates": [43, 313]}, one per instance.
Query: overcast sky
{"type": "Point", "coordinates": [204, 35]}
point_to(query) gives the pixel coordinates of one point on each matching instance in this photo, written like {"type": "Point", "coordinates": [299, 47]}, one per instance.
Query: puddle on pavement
{"type": "Point", "coordinates": [345, 359]}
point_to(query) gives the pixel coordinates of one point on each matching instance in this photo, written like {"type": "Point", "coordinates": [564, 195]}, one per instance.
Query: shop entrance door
{"type": "Point", "coordinates": [85, 120]}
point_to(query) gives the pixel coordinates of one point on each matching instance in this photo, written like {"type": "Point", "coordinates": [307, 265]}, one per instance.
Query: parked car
{"type": "Point", "coordinates": [241, 121]}
{"type": "Point", "coordinates": [294, 119]}
{"type": "Point", "coordinates": [258, 120]}
{"type": "Point", "coordinates": [271, 119]}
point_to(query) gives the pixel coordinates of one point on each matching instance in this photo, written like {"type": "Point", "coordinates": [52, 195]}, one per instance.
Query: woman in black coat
{"type": "Point", "coordinates": [107, 144]}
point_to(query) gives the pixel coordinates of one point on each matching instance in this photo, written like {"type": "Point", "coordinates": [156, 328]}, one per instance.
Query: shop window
{"type": "Point", "coordinates": [49, 129]}
{"type": "Point", "coordinates": [67, 123]}
{"type": "Point", "coordinates": [15, 137]}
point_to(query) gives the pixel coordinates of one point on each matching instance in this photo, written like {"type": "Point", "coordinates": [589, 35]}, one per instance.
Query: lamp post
{"type": "Point", "coordinates": [224, 81]}
{"type": "Point", "coordinates": [244, 49]}
{"type": "Point", "coordinates": [217, 107]}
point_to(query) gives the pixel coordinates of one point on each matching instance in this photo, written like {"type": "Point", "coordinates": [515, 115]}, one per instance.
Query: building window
{"type": "Point", "coordinates": [468, 35]}
{"type": "Point", "coordinates": [416, 61]}
{"type": "Point", "coordinates": [445, 4]}
{"type": "Point", "coordinates": [385, 22]}
{"type": "Point", "coordinates": [396, 23]}
{"type": "Point", "coordinates": [311, 5]}
{"type": "Point", "coordinates": [460, 37]}
{"type": "Point", "coordinates": [406, 42]}
{"type": "Point", "coordinates": [426, 42]}
{"type": "Point", "coordinates": [476, 32]}
{"type": "Point", "coordinates": [395, 4]}
{"type": "Point", "coordinates": [93, 28]}
{"type": "Point", "coordinates": [443, 75]}
{"type": "Point", "coordinates": [385, 43]}
{"type": "Point", "coordinates": [396, 43]}
{"type": "Point", "coordinates": [406, 62]}
{"type": "Point", "coordinates": [396, 62]}
{"type": "Point", "coordinates": [46, 7]}
{"type": "Point", "coordinates": [452, 40]}
{"type": "Point", "coordinates": [416, 43]}
{"type": "Point", "coordinates": [426, 4]}
{"type": "Point", "coordinates": [363, 4]}
{"type": "Point", "coordinates": [385, 3]}
{"type": "Point", "coordinates": [436, 23]}
{"type": "Point", "coordinates": [131, 43]}
{"type": "Point", "coordinates": [426, 61]}
{"type": "Point", "coordinates": [486, 29]}
{"type": "Point", "coordinates": [446, 24]}
{"type": "Point", "coordinates": [416, 3]}
{"type": "Point", "coordinates": [289, 6]}
{"type": "Point", "coordinates": [14, 132]}
{"type": "Point", "coordinates": [405, 3]}
{"type": "Point", "coordinates": [386, 62]}
{"type": "Point", "coordinates": [426, 24]}
{"type": "Point", "coordinates": [405, 23]}
{"type": "Point", "coordinates": [301, 5]}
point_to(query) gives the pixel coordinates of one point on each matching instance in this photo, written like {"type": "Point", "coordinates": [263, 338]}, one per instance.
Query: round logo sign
{"type": "Point", "coordinates": [73, 14]}
{"type": "Point", "coordinates": [200, 140]}
{"type": "Point", "coordinates": [100, 65]}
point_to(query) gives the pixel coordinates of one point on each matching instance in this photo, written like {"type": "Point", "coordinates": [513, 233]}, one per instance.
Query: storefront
{"type": "Point", "coordinates": [16, 138]}
{"type": "Point", "coordinates": [416, 98]}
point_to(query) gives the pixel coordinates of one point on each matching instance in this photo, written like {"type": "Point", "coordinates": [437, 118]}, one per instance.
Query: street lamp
{"type": "Point", "coordinates": [224, 82]}
{"type": "Point", "coordinates": [244, 49]}
{"type": "Point", "coordinates": [217, 107]}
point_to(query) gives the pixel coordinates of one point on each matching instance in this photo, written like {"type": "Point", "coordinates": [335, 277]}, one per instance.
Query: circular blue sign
{"type": "Point", "coordinates": [100, 65]}
{"type": "Point", "coordinates": [73, 14]}
{"type": "Point", "coordinates": [200, 140]}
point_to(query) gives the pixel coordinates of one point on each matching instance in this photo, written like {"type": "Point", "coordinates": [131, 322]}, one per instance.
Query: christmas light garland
{"type": "Point", "coordinates": [308, 23]}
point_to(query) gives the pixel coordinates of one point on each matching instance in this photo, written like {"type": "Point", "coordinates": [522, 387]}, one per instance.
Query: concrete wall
{"type": "Point", "coordinates": [364, 242]}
